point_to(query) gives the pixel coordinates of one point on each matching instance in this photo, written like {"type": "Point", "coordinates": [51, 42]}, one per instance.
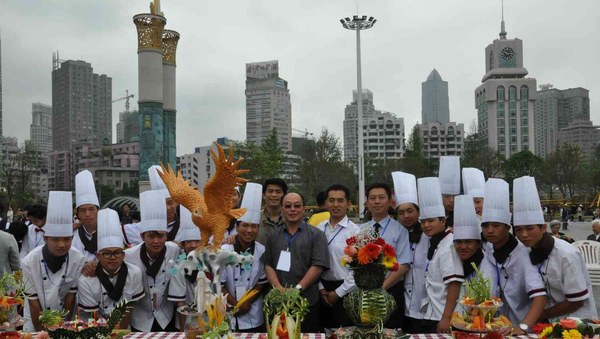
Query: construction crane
{"type": "Point", "coordinates": [305, 132]}
{"type": "Point", "coordinates": [126, 98]}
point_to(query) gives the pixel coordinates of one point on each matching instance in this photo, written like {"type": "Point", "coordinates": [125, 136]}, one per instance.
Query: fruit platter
{"type": "Point", "coordinates": [477, 315]}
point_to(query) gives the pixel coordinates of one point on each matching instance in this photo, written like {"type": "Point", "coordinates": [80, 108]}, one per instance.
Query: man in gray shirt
{"type": "Point", "coordinates": [295, 256]}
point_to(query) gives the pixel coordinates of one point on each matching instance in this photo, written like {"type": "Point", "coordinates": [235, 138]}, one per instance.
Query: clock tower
{"type": "Point", "coordinates": [505, 100]}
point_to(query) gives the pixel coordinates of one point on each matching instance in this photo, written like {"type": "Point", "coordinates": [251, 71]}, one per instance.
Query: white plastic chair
{"type": "Point", "coordinates": [590, 250]}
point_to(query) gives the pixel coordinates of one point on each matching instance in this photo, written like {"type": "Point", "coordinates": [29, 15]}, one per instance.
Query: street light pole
{"type": "Point", "coordinates": [357, 24]}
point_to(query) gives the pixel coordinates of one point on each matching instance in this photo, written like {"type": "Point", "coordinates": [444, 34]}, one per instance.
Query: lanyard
{"type": "Point", "coordinates": [385, 228]}
{"type": "Point", "coordinates": [335, 235]}
{"type": "Point", "coordinates": [290, 240]}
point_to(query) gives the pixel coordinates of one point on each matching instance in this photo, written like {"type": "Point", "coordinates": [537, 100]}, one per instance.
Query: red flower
{"type": "Point", "coordinates": [388, 251]}
{"type": "Point", "coordinates": [539, 327]}
{"type": "Point", "coordinates": [351, 241]}
{"type": "Point", "coordinates": [363, 256]}
{"type": "Point", "coordinates": [372, 250]}
{"type": "Point", "coordinates": [380, 241]}
{"type": "Point", "coordinates": [395, 267]}
{"type": "Point", "coordinates": [568, 324]}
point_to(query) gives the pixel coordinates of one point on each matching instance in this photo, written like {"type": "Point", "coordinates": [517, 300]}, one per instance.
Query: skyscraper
{"type": "Point", "coordinates": [434, 99]}
{"type": "Point", "coordinates": [40, 130]}
{"type": "Point", "coordinates": [383, 132]}
{"type": "Point", "coordinates": [556, 109]}
{"type": "Point", "coordinates": [268, 104]}
{"type": "Point", "coordinates": [505, 100]}
{"type": "Point", "coordinates": [81, 104]}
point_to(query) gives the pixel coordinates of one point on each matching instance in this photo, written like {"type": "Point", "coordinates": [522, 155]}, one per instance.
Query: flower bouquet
{"type": "Point", "coordinates": [479, 308]}
{"type": "Point", "coordinates": [57, 328]}
{"type": "Point", "coordinates": [568, 328]}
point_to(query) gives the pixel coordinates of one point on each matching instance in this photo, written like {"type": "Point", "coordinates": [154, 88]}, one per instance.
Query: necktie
{"type": "Point", "coordinates": [377, 227]}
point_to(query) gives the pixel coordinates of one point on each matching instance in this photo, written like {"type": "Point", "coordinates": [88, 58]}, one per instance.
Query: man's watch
{"type": "Point", "coordinates": [298, 287]}
{"type": "Point", "coordinates": [524, 327]}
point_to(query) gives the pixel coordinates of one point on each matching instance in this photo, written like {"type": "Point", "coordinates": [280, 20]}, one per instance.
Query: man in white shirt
{"type": "Point", "coordinates": [35, 231]}
{"type": "Point", "coordinates": [378, 203]}
{"type": "Point", "coordinates": [336, 282]}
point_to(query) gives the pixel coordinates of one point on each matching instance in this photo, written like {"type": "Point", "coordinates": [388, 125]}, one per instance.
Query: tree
{"type": "Point", "coordinates": [476, 153]}
{"type": "Point", "coordinates": [322, 165]}
{"type": "Point", "coordinates": [562, 169]}
{"type": "Point", "coordinates": [263, 161]}
{"type": "Point", "coordinates": [521, 164]}
{"type": "Point", "coordinates": [16, 170]}
{"type": "Point", "coordinates": [131, 189]}
{"type": "Point", "coordinates": [414, 161]}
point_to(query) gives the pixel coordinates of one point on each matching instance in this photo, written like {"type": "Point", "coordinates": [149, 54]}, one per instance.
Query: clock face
{"type": "Point", "coordinates": [507, 53]}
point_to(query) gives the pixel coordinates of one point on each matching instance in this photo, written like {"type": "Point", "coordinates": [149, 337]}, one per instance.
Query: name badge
{"type": "Point", "coordinates": [285, 260]}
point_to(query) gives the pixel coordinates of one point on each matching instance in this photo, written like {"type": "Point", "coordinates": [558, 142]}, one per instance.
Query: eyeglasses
{"type": "Point", "coordinates": [117, 254]}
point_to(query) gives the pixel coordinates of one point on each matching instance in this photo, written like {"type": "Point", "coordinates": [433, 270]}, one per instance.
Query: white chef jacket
{"type": "Point", "coordinates": [133, 233]}
{"type": "Point", "coordinates": [443, 268]}
{"type": "Point", "coordinates": [237, 280]}
{"type": "Point", "coordinates": [336, 242]}
{"type": "Point", "coordinates": [50, 289]}
{"type": "Point", "coordinates": [155, 289]}
{"type": "Point", "coordinates": [566, 278]}
{"type": "Point", "coordinates": [517, 279]}
{"type": "Point", "coordinates": [414, 280]}
{"type": "Point", "coordinates": [31, 240]}
{"type": "Point", "coordinates": [77, 244]}
{"type": "Point", "coordinates": [93, 296]}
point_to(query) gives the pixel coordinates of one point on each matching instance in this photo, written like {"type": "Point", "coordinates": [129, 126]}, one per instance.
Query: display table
{"type": "Point", "coordinates": [180, 335]}
{"type": "Point", "coordinates": [448, 336]}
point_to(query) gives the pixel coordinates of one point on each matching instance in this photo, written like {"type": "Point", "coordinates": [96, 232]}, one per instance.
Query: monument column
{"type": "Point", "coordinates": [150, 88]}
{"type": "Point", "coordinates": [169, 48]}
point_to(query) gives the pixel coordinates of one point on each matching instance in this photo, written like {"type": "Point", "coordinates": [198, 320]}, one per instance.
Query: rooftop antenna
{"type": "Point", "coordinates": [502, 28]}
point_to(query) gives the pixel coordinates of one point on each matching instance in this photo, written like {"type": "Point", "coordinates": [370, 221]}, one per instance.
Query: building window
{"type": "Point", "coordinates": [500, 93]}
{"type": "Point", "coordinates": [524, 93]}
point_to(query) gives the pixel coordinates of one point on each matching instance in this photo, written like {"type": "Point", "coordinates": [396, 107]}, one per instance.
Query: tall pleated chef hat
{"type": "Point", "coordinates": [156, 183]}
{"type": "Point", "coordinates": [527, 209]}
{"type": "Point", "coordinates": [430, 198]}
{"type": "Point", "coordinates": [496, 202]}
{"type": "Point", "coordinates": [109, 231]}
{"type": "Point", "coordinates": [85, 191]}
{"type": "Point", "coordinates": [187, 229]}
{"type": "Point", "coordinates": [59, 219]}
{"type": "Point", "coordinates": [473, 182]}
{"type": "Point", "coordinates": [153, 211]}
{"type": "Point", "coordinates": [466, 225]}
{"type": "Point", "coordinates": [251, 202]}
{"type": "Point", "coordinates": [405, 188]}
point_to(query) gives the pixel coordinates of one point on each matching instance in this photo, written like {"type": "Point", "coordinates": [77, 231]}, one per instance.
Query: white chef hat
{"type": "Point", "coordinates": [59, 219]}
{"type": "Point", "coordinates": [496, 203]}
{"type": "Point", "coordinates": [430, 198]}
{"type": "Point", "coordinates": [85, 191]}
{"type": "Point", "coordinates": [449, 174]}
{"type": "Point", "coordinates": [109, 231]}
{"type": "Point", "coordinates": [526, 202]}
{"type": "Point", "coordinates": [251, 202]}
{"type": "Point", "coordinates": [405, 188]}
{"type": "Point", "coordinates": [466, 225]}
{"type": "Point", "coordinates": [187, 229]}
{"type": "Point", "coordinates": [473, 182]}
{"type": "Point", "coordinates": [153, 211]}
{"type": "Point", "coordinates": [156, 183]}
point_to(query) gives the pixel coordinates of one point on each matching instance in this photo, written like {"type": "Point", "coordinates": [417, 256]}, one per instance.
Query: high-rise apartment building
{"type": "Point", "coordinates": [505, 101]}
{"type": "Point", "coordinates": [556, 109]}
{"type": "Point", "coordinates": [40, 130]}
{"type": "Point", "coordinates": [434, 99]}
{"type": "Point", "coordinates": [198, 167]}
{"type": "Point", "coordinates": [383, 132]}
{"type": "Point", "coordinates": [581, 133]}
{"type": "Point", "coordinates": [442, 139]}
{"type": "Point", "coordinates": [128, 127]}
{"type": "Point", "coordinates": [268, 104]}
{"type": "Point", "coordinates": [81, 105]}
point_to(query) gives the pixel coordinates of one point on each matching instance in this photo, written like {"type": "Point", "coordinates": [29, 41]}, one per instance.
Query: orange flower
{"type": "Point", "coordinates": [389, 251]}
{"type": "Point", "coordinates": [373, 250]}
{"type": "Point", "coordinates": [364, 257]}
{"type": "Point", "coordinates": [568, 324]}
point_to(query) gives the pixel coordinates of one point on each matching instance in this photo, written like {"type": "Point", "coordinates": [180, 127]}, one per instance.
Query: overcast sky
{"type": "Point", "coordinates": [316, 55]}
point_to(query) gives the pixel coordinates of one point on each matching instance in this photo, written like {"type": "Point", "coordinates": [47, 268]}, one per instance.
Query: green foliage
{"type": "Point", "coordinates": [478, 154]}
{"type": "Point", "coordinates": [521, 164]}
{"type": "Point", "coordinates": [106, 193]}
{"type": "Point", "coordinates": [15, 174]}
{"type": "Point", "coordinates": [131, 189]}
{"type": "Point", "coordinates": [264, 161]}
{"type": "Point", "coordinates": [322, 166]}
{"type": "Point", "coordinates": [563, 169]}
